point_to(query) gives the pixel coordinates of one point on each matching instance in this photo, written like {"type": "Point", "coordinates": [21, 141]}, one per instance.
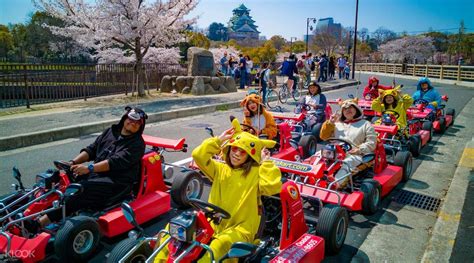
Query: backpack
{"type": "Point", "coordinates": [285, 69]}
{"type": "Point", "coordinates": [313, 66]}
{"type": "Point", "coordinates": [300, 64]}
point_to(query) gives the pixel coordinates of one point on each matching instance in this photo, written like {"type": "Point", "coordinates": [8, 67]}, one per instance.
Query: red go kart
{"type": "Point", "coordinates": [441, 118]}
{"type": "Point", "coordinates": [75, 238]}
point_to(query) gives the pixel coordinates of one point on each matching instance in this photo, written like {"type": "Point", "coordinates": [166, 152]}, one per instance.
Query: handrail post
{"type": "Point", "coordinates": [426, 70]}
{"type": "Point", "coordinates": [414, 69]}
{"type": "Point", "coordinates": [459, 72]}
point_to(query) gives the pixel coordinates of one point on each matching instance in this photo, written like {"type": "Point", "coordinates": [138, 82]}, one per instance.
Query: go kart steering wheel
{"type": "Point", "coordinates": [65, 166]}
{"type": "Point", "coordinates": [212, 211]}
{"type": "Point", "coordinates": [394, 113]}
{"type": "Point", "coordinates": [345, 144]}
{"type": "Point", "coordinates": [246, 127]}
{"type": "Point", "coordinates": [421, 101]}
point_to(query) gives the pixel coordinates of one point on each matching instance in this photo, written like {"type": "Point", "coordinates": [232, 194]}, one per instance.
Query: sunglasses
{"type": "Point", "coordinates": [136, 115]}
{"type": "Point", "coordinates": [237, 149]}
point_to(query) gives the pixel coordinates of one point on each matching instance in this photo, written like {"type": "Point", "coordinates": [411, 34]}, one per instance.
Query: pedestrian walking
{"type": "Point", "coordinates": [224, 64]}
{"type": "Point", "coordinates": [341, 64]}
{"type": "Point", "coordinates": [243, 71]}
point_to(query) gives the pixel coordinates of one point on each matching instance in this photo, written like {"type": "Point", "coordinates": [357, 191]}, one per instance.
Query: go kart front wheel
{"type": "Point", "coordinates": [186, 186]}
{"type": "Point", "coordinates": [372, 195]}
{"type": "Point", "coordinates": [404, 159]}
{"type": "Point", "coordinates": [451, 112]}
{"type": "Point", "coordinates": [428, 126]}
{"type": "Point", "coordinates": [415, 145]}
{"type": "Point", "coordinates": [442, 125]}
{"type": "Point", "coordinates": [77, 239]}
{"type": "Point", "coordinates": [308, 143]}
{"type": "Point", "coordinates": [122, 248]}
{"type": "Point", "coordinates": [332, 226]}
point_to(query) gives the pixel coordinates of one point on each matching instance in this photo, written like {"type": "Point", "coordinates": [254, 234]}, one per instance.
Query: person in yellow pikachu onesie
{"type": "Point", "coordinates": [391, 100]}
{"type": "Point", "coordinates": [237, 185]}
{"type": "Point", "coordinates": [257, 117]}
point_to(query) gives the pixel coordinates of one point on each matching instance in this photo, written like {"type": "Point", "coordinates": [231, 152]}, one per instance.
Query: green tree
{"type": "Point", "coordinates": [198, 40]}
{"type": "Point", "coordinates": [278, 42]}
{"type": "Point", "coordinates": [6, 41]}
{"type": "Point", "coordinates": [217, 32]}
{"type": "Point", "coordinates": [19, 34]}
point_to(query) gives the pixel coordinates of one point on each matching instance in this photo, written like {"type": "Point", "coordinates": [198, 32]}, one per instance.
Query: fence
{"type": "Point", "coordinates": [24, 85]}
{"type": "Point", "coordinates": [458, 73]}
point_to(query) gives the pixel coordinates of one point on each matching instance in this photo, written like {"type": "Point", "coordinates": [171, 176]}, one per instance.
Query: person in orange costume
{"type": "Point", "coordinates": [256, 116]}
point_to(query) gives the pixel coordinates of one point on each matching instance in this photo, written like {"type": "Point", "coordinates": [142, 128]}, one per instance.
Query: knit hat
{"type": "Point", "coordinates": [248, 142]}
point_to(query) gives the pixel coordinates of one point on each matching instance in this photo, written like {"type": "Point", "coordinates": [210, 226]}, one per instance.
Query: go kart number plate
{"type": "Point", "coordinates": [294, 166]}
{"type": "Point", "coordinates": [298, 250]}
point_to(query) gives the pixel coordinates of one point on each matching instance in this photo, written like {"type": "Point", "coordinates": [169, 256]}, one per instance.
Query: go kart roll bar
{"type": "Point", "coordinates": [31, 202]}
{"type": "Point", "coordinates": [9, 241]}
{"type": "Point", "coordinates": [16, 201]}
{"type": "Point", "coordinates": [193, 245]}
{"type": "Point", "coordinates": [162, 245]}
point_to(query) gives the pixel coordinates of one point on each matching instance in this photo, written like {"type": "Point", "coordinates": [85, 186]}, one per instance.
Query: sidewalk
{"type": "Point", "coordinates": [46, 123]}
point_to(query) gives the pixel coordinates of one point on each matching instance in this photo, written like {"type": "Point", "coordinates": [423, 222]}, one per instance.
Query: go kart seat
{"type": "Point", "coordinates": [117, 199]}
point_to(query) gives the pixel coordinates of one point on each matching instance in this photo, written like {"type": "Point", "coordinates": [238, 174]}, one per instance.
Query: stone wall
{"type": "Point", "coordinates": [198, 85]}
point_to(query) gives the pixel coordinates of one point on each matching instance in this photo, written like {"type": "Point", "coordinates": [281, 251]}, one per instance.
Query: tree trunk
{"type": "Point", "coordinates": [139, 69]}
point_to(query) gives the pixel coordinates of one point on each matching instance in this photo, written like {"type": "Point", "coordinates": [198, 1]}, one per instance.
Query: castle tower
{"type": "Point", "coordinates": [241, 25]}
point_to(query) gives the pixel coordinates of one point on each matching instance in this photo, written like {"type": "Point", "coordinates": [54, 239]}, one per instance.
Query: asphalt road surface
{"type": "Point", "coordinates": [35, 159]}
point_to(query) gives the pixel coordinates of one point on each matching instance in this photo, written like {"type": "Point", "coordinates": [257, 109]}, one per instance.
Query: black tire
{"type": "Point", "coordinates": [124, 246]}
{"type": "Point", "coordinates": [404, 159]}
{"type": "Point", "coordinates": [428, 126]}
{"type": "Point", "coordinates": [272, 99]}
{"type": "Point", "coordinates": [442, 125]}
{"type": "Point", "coordinates": [283, 94]}
{"type": "Point", "coordinates": [415, 145]}
{"type": "Point", "coordinates": [309, 145]}
{"type": "Point", "coordinates": [451, 112]}
{"type": "Point", "coordinates": [316, 130]}
{"type": "Point", "coordinates": [77, 239]}
{"type": "Point", "coordinates": [372, 196]}
{"type": "Point", "coordinates": [185, 186]}
{"type": "Point", "coordinates": [332, 226]}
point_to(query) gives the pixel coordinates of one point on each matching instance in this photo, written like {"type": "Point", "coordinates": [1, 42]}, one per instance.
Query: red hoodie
{"type": "Point", "coordinates": [374, 91]}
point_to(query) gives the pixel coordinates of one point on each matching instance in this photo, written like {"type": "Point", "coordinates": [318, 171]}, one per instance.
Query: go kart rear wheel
{"type": "Point", "coordinates": [372, 196]}
{"type": "Point", "coordinates": [316, 130]}
{"type": "Point", "coordinates": [415, 145]}
{"type": "Point", "coordinates": [332, 226]}
{"type": "Point", "coordinates": [189, 185]}
{"type": "Point", "coordinates": [77, 239]}
{"type": "Point", "coordinates": [451, 112]}
{"type": "Point", "coordinates": [122, 248]}
{"type": "Point", "coordinates": [309, 145]}
{"type": "Point", "coordinates": [428, 126]}
{"type": "Point", "coordinates": [404, 159]}
{"type": "Point", "coordinates": [442, 125]}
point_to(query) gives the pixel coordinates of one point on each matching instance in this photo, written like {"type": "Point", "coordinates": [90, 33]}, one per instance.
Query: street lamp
{"type": "Point", "coordinates": [314, 20]}
{"type": "Point", "coordinates": [291, 43]}
{"type": "Point", "coordinates": [355, 41]}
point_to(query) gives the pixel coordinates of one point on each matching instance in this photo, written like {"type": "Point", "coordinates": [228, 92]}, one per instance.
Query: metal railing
{"type": "Point", "coordinates": [449, 72]}
{"type": "Point", "coordinates": [24, 85]}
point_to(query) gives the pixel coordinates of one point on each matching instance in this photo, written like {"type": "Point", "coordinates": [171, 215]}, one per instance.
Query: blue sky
{"type": "Point", "coordinates": [288, 17]}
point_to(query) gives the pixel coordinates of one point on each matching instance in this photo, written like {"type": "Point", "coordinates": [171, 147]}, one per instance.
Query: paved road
{"type": "Point", "coordinates": [35, 159]}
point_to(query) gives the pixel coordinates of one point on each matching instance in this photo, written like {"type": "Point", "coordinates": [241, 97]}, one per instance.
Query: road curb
{"type": "Point", "coordinates": [33, 138]}
{"type": "Point", "coordinates": [433, 80]}
{"type": "Point", "coordinates": [28, 139]}
{"type": "Point", "coordinates": [443, 236]}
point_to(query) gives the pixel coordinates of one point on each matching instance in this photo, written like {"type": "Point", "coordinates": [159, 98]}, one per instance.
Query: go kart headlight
{"type": "Point", "coordinates": [178, 232]}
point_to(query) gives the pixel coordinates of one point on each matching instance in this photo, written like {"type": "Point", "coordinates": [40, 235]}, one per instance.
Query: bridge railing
{"type": "Point", "coordinates": [450, 72]}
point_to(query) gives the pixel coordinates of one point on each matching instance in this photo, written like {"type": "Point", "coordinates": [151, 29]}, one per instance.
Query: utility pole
{"type": "Point", "coordinates": [355, 41]}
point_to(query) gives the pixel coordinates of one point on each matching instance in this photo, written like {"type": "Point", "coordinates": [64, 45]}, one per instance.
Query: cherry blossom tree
{"type": "Point", "coordinates": [410, 47]}
{"type": "Point", "coordinates": [131, 28]}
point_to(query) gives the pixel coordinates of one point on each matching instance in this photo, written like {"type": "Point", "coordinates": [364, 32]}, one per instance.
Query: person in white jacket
{"type": "Point", "coordinates": [352, 127]}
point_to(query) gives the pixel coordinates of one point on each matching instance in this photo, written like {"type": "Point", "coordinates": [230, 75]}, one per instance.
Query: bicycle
{"type": "Point", "coordinates": [284, 92]}
{"type": "Point", "coordinates": [272, 97]}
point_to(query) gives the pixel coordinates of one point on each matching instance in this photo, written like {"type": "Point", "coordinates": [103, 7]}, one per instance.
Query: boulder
{"type": "Point", "coordinates": [198, 87]}
{"type": "Point", "coordinates": [200, 62]}
{"type": "Point", "coordinates": [215, 82]}
{"type": "Point", "coordinates": [181, 82]}
{"type": "Point", "coordinates": [230, 84]}
{"type": "Point", "coordinates": [166, 84]}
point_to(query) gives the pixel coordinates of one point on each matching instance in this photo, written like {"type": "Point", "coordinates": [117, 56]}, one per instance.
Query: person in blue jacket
{"type": "Point", "coordinates": [427, 92]}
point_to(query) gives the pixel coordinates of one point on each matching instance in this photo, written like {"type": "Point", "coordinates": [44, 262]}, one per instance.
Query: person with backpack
{"type": "Point", "coordinates": [323, 67]}
{"type": "Point", "coordinates": [288, 68]}
{"type": "Point", "coordinates": [264, 80]}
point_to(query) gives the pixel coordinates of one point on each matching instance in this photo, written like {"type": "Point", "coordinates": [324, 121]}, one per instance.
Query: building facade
{"type": "Point", "coordinates": [241, 25]}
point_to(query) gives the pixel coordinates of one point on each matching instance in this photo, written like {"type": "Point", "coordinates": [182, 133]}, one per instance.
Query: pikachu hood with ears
{"type": "Point", "coordinates": [248, 142]}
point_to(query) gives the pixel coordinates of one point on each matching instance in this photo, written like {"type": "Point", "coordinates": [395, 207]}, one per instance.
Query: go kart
{"type": "Point", "coordinates": [441, 118]}
{"type": "Point", "coordinates": [367, 184]}
{"type": "Point", "coordinates": [75, 238]}
{"type": "Point", "coordinates": [412, 137]}
{"type": "Point", "coordinates": [189, 234]}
